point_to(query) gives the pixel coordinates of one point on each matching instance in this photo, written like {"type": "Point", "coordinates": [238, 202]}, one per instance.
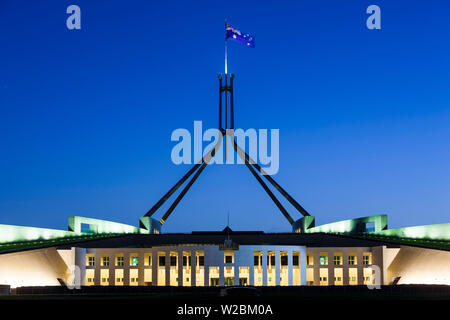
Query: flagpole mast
{"type": "Point", "coordinates": [226, 64]}
{"type": "Point", "coordinates": [226, 89]}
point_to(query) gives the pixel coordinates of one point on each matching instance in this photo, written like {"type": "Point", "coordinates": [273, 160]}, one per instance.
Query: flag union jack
{"type": "Point", "coordinates": [238, 36]}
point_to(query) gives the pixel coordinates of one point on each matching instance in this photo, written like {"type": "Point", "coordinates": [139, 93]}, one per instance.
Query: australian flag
{"type": "Point", "coordinates": [244, 38]}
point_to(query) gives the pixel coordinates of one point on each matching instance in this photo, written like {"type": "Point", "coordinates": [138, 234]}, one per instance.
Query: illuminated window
{"type": "Point", "coordinates": [295, 260]}
{"type": "Point", "coordinates": [337, 260]}
{"type": "Point", "coordinates": [186, 261]}
{"type": "Point", "coordinates": [228, 257]}
{"type": "Point", "coordinates": [310, 259]}
{"type": "Point", "coordinates": [367, 258]}
{"type": "Point", "coordinates": [119, 261]}
{"type": "Point", "coordinates": [323, 260]}
{"type": "Point", "coordinates": [352, 259]}
{"type": "Point", "coordinates": [353, 276]}
{"type": "Point", "coordinates": [148, 259]}
{"type": "Point", "coordinates": [284, 260]}
{"type": "Point", "coordinates": [105, 261]}
{"type": "Point", "coordinates": [134, 261]}
{"type": "Point", "coordinates": [90, 261]}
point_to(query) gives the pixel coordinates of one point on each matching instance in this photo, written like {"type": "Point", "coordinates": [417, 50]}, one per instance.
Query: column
{"type": "Point", "coordinates": [277, 266]}
{"type": "Point", "coordinates": [97, 264]}
{"type": "Point", "coordinates": [236, 267]}
{"type": "Point", "coordinates": [141, 267]}
{"type": "Point", "coordinates": [155, 265]}
{"type": "Point", "coordinates": [303, 267]}
{"type": "Point", "coordinates": [180, 267]}
{"type": "Point", "coordinates": [316, 267]}
{"type": "Point", "coordinates": [264, 267]}
{"type": "Point", "coordinates": [193, 269]}
{"type": "Point", "coordinates": [206, 273]}
{"type": "Point", "coordinates": [112, 271]}
{"type": "Point", "coordinates": [290, 268]}
{"type": "Point", "coordinates": [221, 268]}
{"type": "Point", "coordinates": [167, 268]}
{"type": "Point", "coordinates": [126, 268]}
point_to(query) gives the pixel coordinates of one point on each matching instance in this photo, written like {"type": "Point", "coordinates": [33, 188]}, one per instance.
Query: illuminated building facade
{"type": "Point", "coordinates": [101, 253]}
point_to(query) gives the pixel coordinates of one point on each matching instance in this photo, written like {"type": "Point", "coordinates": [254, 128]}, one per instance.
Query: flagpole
{"type": "Point", "coordinates": [226, 91]}
{"type": "Point", "coordinates": [226, 64]}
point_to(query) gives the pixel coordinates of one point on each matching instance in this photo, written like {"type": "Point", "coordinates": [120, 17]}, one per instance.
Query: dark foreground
{"type": "Point", "coordinates": [271, 302]}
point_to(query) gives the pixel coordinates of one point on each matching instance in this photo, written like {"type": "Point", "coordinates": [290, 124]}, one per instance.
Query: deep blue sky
{"type": "Point", "coordinates": [86, 116]}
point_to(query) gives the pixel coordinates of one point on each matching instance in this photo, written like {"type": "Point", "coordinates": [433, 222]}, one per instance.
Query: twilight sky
{"type": "Point", "coordinates": [86, 115]}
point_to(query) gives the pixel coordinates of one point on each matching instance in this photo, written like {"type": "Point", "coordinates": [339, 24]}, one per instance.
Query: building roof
{"type": "Point", "coordinates": [219, 237]}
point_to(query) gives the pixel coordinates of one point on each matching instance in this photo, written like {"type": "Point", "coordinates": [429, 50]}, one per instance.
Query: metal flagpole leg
{"type": "Point", "coordinates": [244, 156]}
{"type": "Point", "coordinates": [261, 182]}
{"type": "Point", "coordinates": [207, 158]}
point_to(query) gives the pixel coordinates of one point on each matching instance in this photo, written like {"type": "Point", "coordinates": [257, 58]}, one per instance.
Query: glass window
{"type": "Point", "coordinates": [337, 260]}
{"type": "Point", "coordinates": [310, 259]}
{"type": "Point", "coordinates": [91, 261]}
{"type": "Point", "coordinates": [367, 258]}
{"type": "Point", "coordinates": [134, 261]}
{"type": "Point", "coordinates": [352, 259]}
{"type": "Point", "coordinates": [119, 261]}
{"type": "Point", "coordinates": [105, 261]}
{"type": "Point", "coordinates": [295, 260]}
{"type": "Point", "coordinates": [323, 260]}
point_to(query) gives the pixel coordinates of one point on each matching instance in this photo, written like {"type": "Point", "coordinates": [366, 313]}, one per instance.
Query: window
{"type": "Point", "coordinates": [162, 261]}
{"type": "Point", "coordinates": [284, 260]}
{"type": "Point", "coordinates": [295, 260]}
{"type": "Point", "coordinates": [352, 259]}
{"type": "Point", "coordinates": [271, 260]}
{"type": "Point", "coordinates": [228, 256]}
{"type": "Point", "coordinates": [105, 261]}
{"type": "Point", "coordinates": [147, 259]}
{"type": "Point", "coordinates": [367, 258]}
{"type": "Point", "coordinates": [337, 260]}
{"type": "Point", "coordinates": [173, 261]}
{"type": "Point", "coordinates": [201, 261]}
{"type": "Point", "coordinates": [310, 259]}
{"type": "Point", "coordinates": [256, 260]}
{"type": "Point", "coordinates": [134, 261]}
{"type": "Point", "coordinates": [90, 261]}
{"type": "Point", "coordinates": [119, 261]}
{"type": "Point", "coordinates": [186, 259]}
{"type": "Point", "coordinates": [323, 260]}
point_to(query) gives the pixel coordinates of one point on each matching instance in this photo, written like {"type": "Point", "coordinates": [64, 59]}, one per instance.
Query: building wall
{"type": "Point", "coordinates": [213, 258]}
{"type": "Point", "coordinates": [43, 267]}
{"type": "Point", "coordinates": [420, 266]}
{"type": "Point", "coordinates": [316, 270]}
{"type": "Point", "coordinates": [32, 268]}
